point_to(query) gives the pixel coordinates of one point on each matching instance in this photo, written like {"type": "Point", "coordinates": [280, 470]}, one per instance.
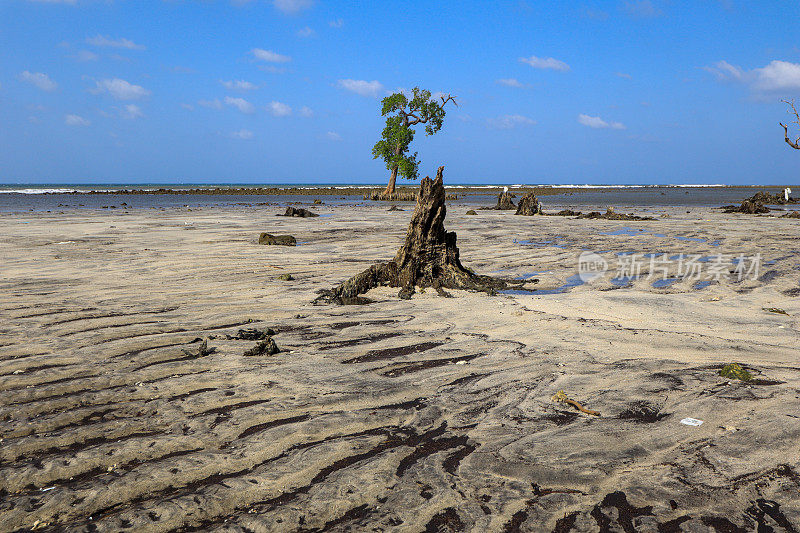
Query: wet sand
{"type": "Point", "coordinates": [428, 414]}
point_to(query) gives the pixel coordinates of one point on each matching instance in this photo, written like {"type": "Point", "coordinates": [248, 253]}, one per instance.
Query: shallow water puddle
{"type": "Point", "coordinates": [663, 283]}
{"type": "Point", "coordinates": [572, 281]}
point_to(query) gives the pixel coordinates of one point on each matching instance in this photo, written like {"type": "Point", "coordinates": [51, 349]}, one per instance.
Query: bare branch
{"type": "Point", "coordinates": [449, 99]}
{"type": "Point", "coordinates": [796, 143]}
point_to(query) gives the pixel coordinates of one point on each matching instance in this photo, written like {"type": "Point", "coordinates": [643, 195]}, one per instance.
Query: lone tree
{"type": "Point", "coordinates": [399, 132]}
{"type": "Point", "coordinates": [796, 143]}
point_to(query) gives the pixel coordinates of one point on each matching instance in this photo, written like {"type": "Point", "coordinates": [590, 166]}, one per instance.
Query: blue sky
{"type": "Point", "coordinates": [258, 91]}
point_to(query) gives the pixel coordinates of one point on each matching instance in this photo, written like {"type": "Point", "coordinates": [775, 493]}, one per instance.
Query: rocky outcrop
{"type": "Point", "coordinates": [298, 212]}
{"type": "Point", "coordinates": [750, 207]}
{"type": "Point", "coordinates": [282, 240]}
{"type": "Point", "coordinates": [529, 205]}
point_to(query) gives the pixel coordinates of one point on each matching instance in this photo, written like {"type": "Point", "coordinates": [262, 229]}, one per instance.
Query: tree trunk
{"type": "Point", "coordinates": [428, 258]}
{"type": "Point", "coordinates": [392, 179]}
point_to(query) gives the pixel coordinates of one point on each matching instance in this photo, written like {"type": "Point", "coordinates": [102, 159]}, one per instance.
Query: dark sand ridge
{"type": "Point", "coordinates": [432, 413]}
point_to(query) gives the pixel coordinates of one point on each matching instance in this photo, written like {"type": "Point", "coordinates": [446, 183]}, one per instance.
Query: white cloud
{"type": "Point", "coordinates": [362, 87]}
{"type": "Point", "coordinates": [509, 82]}
{"type": "Point", "coordinates": [188, 107]}
{"type": "Point", "coordinates": [291, 7]}
{"type": "Point", "coordinates": [545, 63]}
{"type": "Point", "coordinates": [75, 120]}
{"type": "Point", "coordinates": [306, 112]}
{"type": "Point", "coordinates": [242, 134]}
{"type": "Point", "coordinates": [210, 104]}
{"type": "Point", "coordinates": [241, 104]}
{"type": "Point", "coordinates": [39, 79]}
{"type": "Point", "coordinates": [338, 23]}
{"type": "Point", "coordinates": [278, 109]}
{"type": "Point", "coordinates": [624, 75]}
{"type": "Point", "coordinates": [132, 111]}
{"type": "Point", "coordinates": [239, 85]}
{"type": "Point", "coordinates": [86, 55]}
{"type": "Point", "coordinates": [306, 32]}
{"type": "Point", "coordinates": [103, 40]}
{"type": "Point", "coordinates": [507, 122]}
{"type": "Point", "coordinates": [121, 89]}
{"type": "Point", "coordinates": [775, 76]}
{"type": "Point", "coordinates": [333, 136]}
{"type": "Point", "coordinates": [269, 56]}
{"type": "Point", "coordinates": [599, 123]}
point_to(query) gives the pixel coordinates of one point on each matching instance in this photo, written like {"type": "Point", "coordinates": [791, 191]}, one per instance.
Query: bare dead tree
{"type": "Point", "coordinates": [796, 143]}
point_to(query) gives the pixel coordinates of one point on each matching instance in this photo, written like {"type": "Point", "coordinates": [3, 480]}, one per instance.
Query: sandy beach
{"type": "Point", "coordinates": [429, 414]}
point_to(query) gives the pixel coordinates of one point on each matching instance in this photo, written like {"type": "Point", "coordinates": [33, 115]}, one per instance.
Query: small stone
{"type": "Point", "coordinates": [282, 240]}
{"type": "Point", "coordinates": [286, 277]}
{"type": "Point", "coordinates": [267, 347]}
{"type": "Point", "coordinates": [472, 212]}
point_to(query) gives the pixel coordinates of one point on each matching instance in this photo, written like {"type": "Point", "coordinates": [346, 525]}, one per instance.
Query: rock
{"type": "Point", "coordinates": [750, 207]}
{"type": "Point", "coordinates": [472, 212]}
{"type": "Point", "coordinates": [317, 202]}
{"type": "Point", "coordinates": [395, 208]}
{"type": "Point", "coordinates": [282, 240]}
{"type": "Point", "coordinates": [267, 347]}
{"type": "Point", "coordinates": [793, 214]}
{"type": "Point", "coordinates": [529, 205]}
{"type": "Point", "coordinates": [567, 213]}
{"type": "Point", "coordinates": [610, 214]}
{"type": "Point", "coordinates": [774, 199]}
{"type": "Point", "coordinates": [254, 334]}
{"type": "Point", "coordinates": [201, 350]}
{"type": "Point", "coordinates": [298, 212]}
{"type": "Point", "coordinates": [286, 277]}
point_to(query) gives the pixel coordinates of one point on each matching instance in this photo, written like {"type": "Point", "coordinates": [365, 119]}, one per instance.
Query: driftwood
{"type": "Point", "coordinates": [428, 258]}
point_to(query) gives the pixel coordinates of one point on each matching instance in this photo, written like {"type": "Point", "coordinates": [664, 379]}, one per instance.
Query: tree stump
{"type": "Point", "coordinates": [504, 202]}
{"type": "Point", "coordinates": [429, 257]}
{"type": "Point", "coordinates": [529, 205]}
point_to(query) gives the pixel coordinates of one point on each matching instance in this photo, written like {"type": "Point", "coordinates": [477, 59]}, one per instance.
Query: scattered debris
{"type": "Point", "coordinates": [298, 212]}
{"type": "Point", "coordinates": [283, 240]}
{"type": "Point", "coordinates": [692, 422]}
{"type": "Point", "coordinates": [735, 371]}
{"type": "Point", "coordinates": [776, 310]}
{"type": "Point", "coordinates": [266, 347]}
{"type": "Point", "coordinates": [201, 351]}
{"type": "Point", "coordinates": [561, 396]}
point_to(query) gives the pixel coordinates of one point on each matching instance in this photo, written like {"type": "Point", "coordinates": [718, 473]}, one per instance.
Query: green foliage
{"type": "Point", "coordinates": [393, 146]}
{"type": "Point", "coordinates": [735, 371]}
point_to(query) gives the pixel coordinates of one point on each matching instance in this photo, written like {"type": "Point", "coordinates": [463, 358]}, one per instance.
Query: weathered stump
{"type": "Point", "coordinates": [298, 212]}
{"type": "Point", "coordinates": [504, 202]}
{"type": "Point", "coordinates": [529, 205]}
{"type": "Point", "coordinates": [429, 256]}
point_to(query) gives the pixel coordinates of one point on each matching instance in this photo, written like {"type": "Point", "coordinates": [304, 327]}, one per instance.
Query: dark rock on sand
{"type": "Point", "coordinates": [775, 199]}
{"type": "Point", "coordinates": [266, 347]}
{"type": "Point", "coordinates": [611, 215]}
{"type": "Point", "coordinates": [298, 212]}
{"type": "Point", "coordinates": [472, 212]}
{"type": "Point", "coordinates": [395, 208]}
{"type": "Point", "coordinates": [283, 240]}
{"type": "Point", "coordinates": [317, 202]}
{"type": "Point", "coordinates": [254, 334]}
{"type": "Point", "coordinates": [793, 214]}
{"type": "Point", "coordinates": [201, 350]}
{"type": "Point", "coordinates": [286, 277]}
{"type": "Point", "coordinates": [529, 205]}
{"type": "Point", "coordinates": [565, 213]}
{"type": "Point", "coordinates": [749, 207]}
